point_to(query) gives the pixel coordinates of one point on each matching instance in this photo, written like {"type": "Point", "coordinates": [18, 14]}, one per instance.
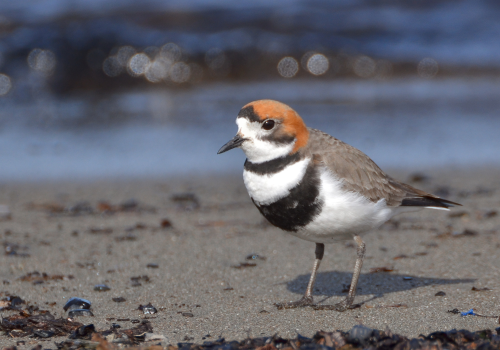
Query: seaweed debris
{"type": "Point", "coordinates": [359, 337]}
{"type": "Point", "coordinates": [40, 277]}
{"type": "Point", "coordinates": [43, 325]}
{"type": "Point", "coordinates": [86, 208]}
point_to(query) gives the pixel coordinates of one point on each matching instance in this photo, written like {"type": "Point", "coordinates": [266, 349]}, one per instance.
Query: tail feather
{"type": "Point", "coordinates": [429, 202]}
{"type": "Point", "coordinates": [418, 198]}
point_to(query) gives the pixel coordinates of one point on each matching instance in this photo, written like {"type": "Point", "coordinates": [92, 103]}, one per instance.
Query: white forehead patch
{"type": "Point", "coordinates": [256, 149]}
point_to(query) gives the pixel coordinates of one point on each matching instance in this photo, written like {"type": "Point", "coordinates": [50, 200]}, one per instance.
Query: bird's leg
{"type": "Point", "coordinates": [347, 302]}
{"type": "Point", "coordinates": [307, 299]}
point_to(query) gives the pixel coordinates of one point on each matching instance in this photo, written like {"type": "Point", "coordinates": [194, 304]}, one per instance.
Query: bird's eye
{"type": "Point", "coordinates": [268, 124]}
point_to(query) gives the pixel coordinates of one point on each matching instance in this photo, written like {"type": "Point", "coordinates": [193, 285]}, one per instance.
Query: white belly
{"type": "Point", "coordinates": [268, 188]}
{"type": "Point", "coordinates": [344, 214]}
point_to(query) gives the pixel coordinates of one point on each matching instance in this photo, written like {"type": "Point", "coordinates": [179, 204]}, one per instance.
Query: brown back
{"type": "Point", "coordinates": [357, 171]}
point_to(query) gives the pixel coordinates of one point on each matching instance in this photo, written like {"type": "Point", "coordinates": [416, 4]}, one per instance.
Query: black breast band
{"type": "Point", "coordinates": [300, 207]}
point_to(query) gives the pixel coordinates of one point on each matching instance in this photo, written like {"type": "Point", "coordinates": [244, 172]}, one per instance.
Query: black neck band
{"type": "Point", "coordinates": [272, 166]}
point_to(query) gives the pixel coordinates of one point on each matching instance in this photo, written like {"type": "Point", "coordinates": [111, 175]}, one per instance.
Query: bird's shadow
{"type": "Point", "coordinates": [335, 283]}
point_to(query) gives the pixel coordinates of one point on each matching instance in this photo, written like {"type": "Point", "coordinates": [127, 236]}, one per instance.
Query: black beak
{"type": "Point", "coordinates": [233, 143]}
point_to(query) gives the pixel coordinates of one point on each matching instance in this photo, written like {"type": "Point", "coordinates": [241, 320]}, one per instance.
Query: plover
{"type": "Point", "coordinates": [316, 187]}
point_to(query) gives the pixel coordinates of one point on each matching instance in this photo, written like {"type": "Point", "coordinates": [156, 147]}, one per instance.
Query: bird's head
{"type": "Point", "coordinates": [268, 130]}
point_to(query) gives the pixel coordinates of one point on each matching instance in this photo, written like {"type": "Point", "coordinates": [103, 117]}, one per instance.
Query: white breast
{"type": "Point", "coordinates": [268, 188]}
{"type": "Point", "coordinates": [343, 213]}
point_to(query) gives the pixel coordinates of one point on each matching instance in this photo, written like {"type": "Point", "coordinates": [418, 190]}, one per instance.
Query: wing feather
{"type": "Point", "coordinates": [360, 174]}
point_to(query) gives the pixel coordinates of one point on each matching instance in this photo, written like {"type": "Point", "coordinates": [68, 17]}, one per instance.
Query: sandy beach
{"type": "Point", "coordinates": [183, 245]}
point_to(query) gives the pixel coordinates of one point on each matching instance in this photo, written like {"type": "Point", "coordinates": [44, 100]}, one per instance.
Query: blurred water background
{"type": "Point", "coordinates": [108, 88]}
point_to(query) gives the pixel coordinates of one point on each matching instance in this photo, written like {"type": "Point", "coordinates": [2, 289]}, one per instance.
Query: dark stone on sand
{"type": "Point", "coordinates": [76, 303]}
{"type": "Point", "coordinates": [15, 301]}
{"type": "Point", "coordinates": [43, 334]}
{"type": "Point", "coordinates": [440, 294]}
{"type": "Point", "coordinates": [83, 332]}
{"type": "Point", "coordinates": [119, 300]}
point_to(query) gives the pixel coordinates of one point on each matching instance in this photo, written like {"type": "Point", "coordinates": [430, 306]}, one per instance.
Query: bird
{"type": "Point", "coordinates": [316, 187]}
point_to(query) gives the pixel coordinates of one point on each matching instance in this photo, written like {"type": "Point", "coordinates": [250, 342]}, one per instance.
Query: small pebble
{"type": "Point", "coordinates": [80, 312]}
{"type": "Point", "coordinates": [79, 208]}
{"type": "Point", "coordinates": [152, 266]}
{"type": "Point", "coordinates": [148, 309]}
{"type": "Point", "coordinates": [407, 278]}
{"type": "Point", "coordinates": [255, 257]}
{"type": "Point", "coordinates": [101, 288]}
{"type": "Point", "coordinates": [359, 334]}
{"type": "Point", "coordinates": [165, 223]}
{"type": "Point", "coordinates": [418, 177]}
{"type": "Point", "coordinates": [243, 265]}
{"type": "Point", "coordinates": [119, 300]}
{"type": "Point", "coordinates": [43, 334]}
{"type": "Point", "coordinates": [440, 294]}
{"type": "Point", "coordinates": [135, 283]}
{"type": "Point", "coordinates": [129, 204]}
{"type": "Point", "coordinates": [186, 201]}
{"type": "Point", "coordinates": [154, 337]}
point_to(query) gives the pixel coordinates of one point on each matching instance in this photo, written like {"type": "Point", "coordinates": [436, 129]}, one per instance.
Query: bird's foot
{"type": "Point", "coordinates": [340, 307]}
{"type": "Point", "coordinates": [304, 301]}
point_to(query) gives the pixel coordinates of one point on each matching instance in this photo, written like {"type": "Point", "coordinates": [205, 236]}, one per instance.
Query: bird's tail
{"type": "Point", "coordinates": [430, 202]}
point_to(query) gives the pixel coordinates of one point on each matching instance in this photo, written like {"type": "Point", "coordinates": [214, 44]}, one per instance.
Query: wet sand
{"type": "Point", "coordinates": [197, 289]}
